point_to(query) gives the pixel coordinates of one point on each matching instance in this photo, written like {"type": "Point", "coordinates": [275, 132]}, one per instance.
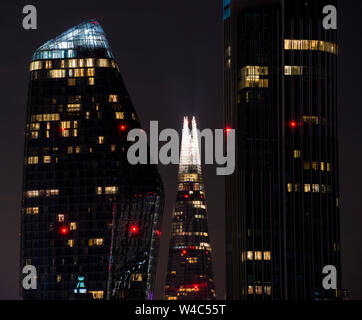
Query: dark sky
{"type": "Point", "coordinates": [171, 58]}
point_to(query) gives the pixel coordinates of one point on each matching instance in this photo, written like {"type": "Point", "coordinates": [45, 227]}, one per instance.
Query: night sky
{"type": "Point", "coordinates": [170, 54]}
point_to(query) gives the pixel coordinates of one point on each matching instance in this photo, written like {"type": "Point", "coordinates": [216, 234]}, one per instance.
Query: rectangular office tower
{"type": "Point", "coordinates": [90, 221]}
{"type": "Point", "coordinates": [282, 202]}
{"type": "Point", "coordinates": [189, 272]}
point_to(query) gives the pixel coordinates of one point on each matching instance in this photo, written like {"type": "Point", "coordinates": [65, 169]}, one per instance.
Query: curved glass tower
{"type": "Point", "coordinates": [90, 221]}
{"type": "Point", "coordinates": [189, 274]}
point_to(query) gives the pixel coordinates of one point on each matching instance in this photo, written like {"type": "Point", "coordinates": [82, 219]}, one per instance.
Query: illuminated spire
{"type": "Point", "coordinates": [190, 160]}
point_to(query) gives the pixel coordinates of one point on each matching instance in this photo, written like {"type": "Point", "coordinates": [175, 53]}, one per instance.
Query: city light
{"type": "Point", "coordinates": [134, 229]}
{"type": "Point", "coordinates": [64, 230]}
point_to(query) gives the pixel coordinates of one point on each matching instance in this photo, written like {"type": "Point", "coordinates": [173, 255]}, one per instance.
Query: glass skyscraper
{"type": "Point", "coordinates": [282, 202]}
{"type": "Point", "coordinates": [190, 274]}
{"type": "Point", "coordinates": [90, 221]}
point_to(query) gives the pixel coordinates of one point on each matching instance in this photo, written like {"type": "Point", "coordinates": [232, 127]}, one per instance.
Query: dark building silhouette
{"type": "Point", "coordinates": [90, 222]}
{"type": "Point", "coordinates": [282, 202]}
{"type": "Point", "coordinates": [189, 273]}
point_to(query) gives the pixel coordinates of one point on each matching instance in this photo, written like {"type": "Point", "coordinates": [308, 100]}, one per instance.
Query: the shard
{"type": "Point", "coordinates": [190, 274]}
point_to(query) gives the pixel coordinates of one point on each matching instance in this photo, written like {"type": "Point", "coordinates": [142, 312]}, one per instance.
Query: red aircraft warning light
{"type": "Point", "coordinates": [64, 230]}
{"type": "Point", "coordinates": [228, 129]}
{"type": "Point", "coordinates": [184, 251]}
{"type": "Point", "coordinates": [134, 229]}
{"type": "Point", "coordinates": [123, 127]}
{"type": "Point", "coordinates": [196, 287]}
{"type": "Point", "coordinates": [293, 124]}
{"type": "Point", "coordinates": [186, 196]}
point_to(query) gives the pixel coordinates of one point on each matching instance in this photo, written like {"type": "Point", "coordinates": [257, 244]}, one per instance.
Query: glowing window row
{"type": "Point", "coordinates": [45, 117]}
{"type": "Point", "coordinates": [71, 73]}
{"type": "Point", "coordinates": [32, 210]}
{"type": "Point", "coordinates": [258, 255]}
{"type": "Point", "coordinates": [95, 242]}
{"type": "Point", "coordinates": [189, 177]}
{"type": "Point", "coordinates": [314, 165]}
{"type": "Point", "coordinates": [202, 234]}
{"type": "Point", "coordinates": [258, 290]}
{"type": "Point", "coordinates": [35, 160]}
{"type": "Point", "coordinates": [315, 188]}
{"type": "Point", "coordinates": [319, 45]}
{"type": "Point", "coordinates": [38, 193]}
{"type": "Point", "coordinates": [251, 77]}
{"type": "Point", "coordinates": [107, 190]}
{"type": "Point", "coordinates": [72, 63]}
{"type": "Point", "coordinates": [293, 70]}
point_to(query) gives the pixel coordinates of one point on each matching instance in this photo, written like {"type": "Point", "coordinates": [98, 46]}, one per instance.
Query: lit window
{"type": "Point", "coordinates": [73, 107]}
{"type": "Point", "coordinates": [258, 255]}
{"type": "Point", "coordinates": [59, 278]}
{"type": "Point", "coordinates": [315, 165]}
{"type": "Point", "coordinates": [328, 167]}
{"type": "Point", "coordinates": [250, 290]}
{"type": "Point", "coordinates": [310, 45]}
{"type": "Point", "coordinates": [78, 73]}
{"type": "Point", "coordinates": [99, 190]}
{"type": "Point", "coordinates": [306, 165]}
{"type": "Point", "coordinates": [293, 70]}
{"type": "Point", "coordinates": [36, 65]}
{"type": "Point", "coordinates": [119, 115]}
{"type": "Point", "coordinates": [91, 81]}
{"type": "Point", "coordinates": [322, 166]}
{"type": "Point", "coordinates": [113, 98]}
{"type": "Point", "coordinates": [48, 64]}
{"type": "Point", "coordinates": [307, 188]}
{"type": "Point", "coordinates": [51, 192]}
{"type": "Point", "coordinates": [297, 154]}
{"type": "Point", "coordinates": [32, 210]}
{"type": "Point", "coordinates": [267, 290]}
{"type": "Point", "coordinates": [136, 277]}
{"type": "Point", "coordinates": [60, 218]}
{"type": "Point", "coordinates": [113, 148]}
{"type": "Point", "coordinates": [47, 159]}
{"type": "Point", "coordinates": [315, 187]}
{"type": "Point", "coordinates": [95, 242]}
{"type": "Point", "coordinates": [89, 62]}
{"type": "Point", "coordinates": [33, 160]}
{"type": "Point", "coordinates": [133, 116]}
{"type": "Point", "coordinates": [72, 82]}
{"type": "Point", "coordinates": [100, 139]}
{"type": "Point", "coordinates": [111, 190]}
{"type": "Point", "coordinates": [258, 290]}
{"type": "Point", "coordinates": [34, 134]}
{"type": "Point", "coordinates": [32, 193]}
{"type": "Point", "coordinates": [70, 150]}
{"type": "Point", "coordinates": [35, 126]}
{"type": "Point", "coordinates": [97, 294]}
{"type": "Point", "coordinates": [70, 243]}
{"type": "Point", "coordinates": [90, 72]}
{"type": "Point", "coordinates": [267, 255]}
{"type": "Point", "coordinates": [57, 73]}
{"type": "Point", "coordinates": [73, 226]}
{"type": "Point", "coordinates": [77, 149]}
{"type": "Point", "coordinates": [311, 119]}
{"type": "Point", "coordinates": [290, 187]}
{"type": "Point", "coordinates": [103, 63]}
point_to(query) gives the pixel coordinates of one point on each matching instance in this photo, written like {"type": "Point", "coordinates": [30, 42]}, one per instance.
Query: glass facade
{"type": "Point", "coordinates": [87, 214]}
{"type": "Point", "coordinates": [189, 274]}
{"type": "Point", "coordinates": [282, 202]}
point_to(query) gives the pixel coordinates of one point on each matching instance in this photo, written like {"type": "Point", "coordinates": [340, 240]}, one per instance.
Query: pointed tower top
{"type": "Point", "coordinates": [190, 160]}
{"type": "Point", "coordinates": [87, 36]}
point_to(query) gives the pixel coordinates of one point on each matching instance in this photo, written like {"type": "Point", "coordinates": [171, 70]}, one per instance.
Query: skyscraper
{"type": "Point", "coordinates": [90, 222]}
{"type": "Point", "coordinates": [189, 274]}
{"type": "Point", "coordinates": [282, 202]}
